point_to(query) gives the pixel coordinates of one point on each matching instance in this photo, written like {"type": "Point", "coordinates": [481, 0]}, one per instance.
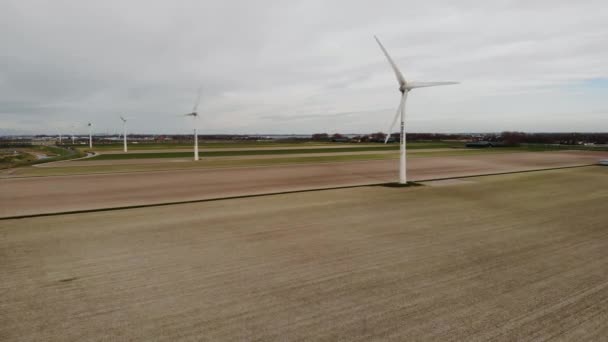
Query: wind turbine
{"type": "Point", "coordinates": [59, 134]}
{"type": "Point", "coordinates": [124, 132]}
{"type": "Point", "coordinates": [90, 135]}
{"type": "Point", "coordinates": [404, 87]}
{"type": "Point", "coordinates": [194, 116]}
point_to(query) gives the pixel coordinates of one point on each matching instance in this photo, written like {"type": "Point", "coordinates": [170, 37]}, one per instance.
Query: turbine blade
{"type": "Point", "coordinates": [198, 99]}
{"type": "Point", "coordinates": [413, 85]}
{"type": "Point", "coordinates": [398, 73]}
{"type": "Point", "coordinates": [401, 104]}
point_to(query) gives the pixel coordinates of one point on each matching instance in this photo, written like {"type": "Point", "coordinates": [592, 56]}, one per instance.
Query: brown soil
{"type": "Point", "coordinates": [24, 196]}
{"type": "Point", "coordinates": [505, 258]}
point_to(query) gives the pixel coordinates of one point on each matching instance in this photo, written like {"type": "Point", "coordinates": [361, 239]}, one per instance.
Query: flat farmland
{"type": "Point", "coordinates": [510, 257]}
{"type": "Point", "coordinates": [36, 195]}
{"type": "Point", "coordinates": [149, 163]}
{"type": "Point", "coordinates": [239, 145]}
{"type": "Point", "coordinates": [245, 152]}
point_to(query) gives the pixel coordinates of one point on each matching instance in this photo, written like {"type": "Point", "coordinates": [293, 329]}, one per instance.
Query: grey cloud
{"type": "Point", "coordinates": [66, 62]}
{"type": "Point", "coordinates": [321, 116]}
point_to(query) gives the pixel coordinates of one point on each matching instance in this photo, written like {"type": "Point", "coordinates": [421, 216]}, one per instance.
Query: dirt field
{"type": "Point", "coordinates": [509, 258]}
{"type": "Point", "coordinates": [25, 196]}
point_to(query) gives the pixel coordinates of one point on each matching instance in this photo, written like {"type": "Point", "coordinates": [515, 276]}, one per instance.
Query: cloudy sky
{"type": "Point", "coordinates": [302, 66]}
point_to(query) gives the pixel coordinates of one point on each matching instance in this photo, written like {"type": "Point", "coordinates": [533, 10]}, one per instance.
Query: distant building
{"type": "Point", "coordinates": [479, 144]}
{"type": "Point", "coordinates": [483, 144]}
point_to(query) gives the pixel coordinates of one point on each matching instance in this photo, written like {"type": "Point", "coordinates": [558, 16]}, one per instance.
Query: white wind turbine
{"type": "Point", "coordinates": [404, 87]}
{"type": "Point", "coordinates": [194, 116]}
{"type": "Point", "coordinates": [90, 135]}
{"type": "Point", "coordinates": [59, 134]}
{"type": "Point", "coordinates": [124, 133]}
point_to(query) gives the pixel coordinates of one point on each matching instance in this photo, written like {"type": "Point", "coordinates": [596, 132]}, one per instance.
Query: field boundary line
{"type": "Point", "coordinates": [507, 172]}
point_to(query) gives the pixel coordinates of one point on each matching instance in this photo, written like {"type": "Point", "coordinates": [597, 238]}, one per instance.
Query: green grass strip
{"type": "Point", "coordinates": [240, 153]}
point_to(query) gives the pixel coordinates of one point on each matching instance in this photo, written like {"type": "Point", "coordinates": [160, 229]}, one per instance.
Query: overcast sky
{"type": "Point", "coordinates": [302, 66]}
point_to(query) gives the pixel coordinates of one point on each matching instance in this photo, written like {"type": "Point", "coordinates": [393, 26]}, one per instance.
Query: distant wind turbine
{"type": "Point", "coordinates": [404, 87]}
{"type": "Point", "coordinates": [194, 116]}
{"type": "Point", "coordinates": [90, 135]}
{"type": "Point", "coordinates": [124, 133]}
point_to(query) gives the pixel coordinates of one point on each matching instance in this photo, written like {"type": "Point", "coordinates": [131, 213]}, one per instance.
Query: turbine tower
{"type": "Point", "coordinates": [194, 116]}
{"type": "Point", "coordinates": [90, 135]}
{"type": "Point", "coordinates": [124, 133]}
{"type": "Point", "coordinates": [404, 87]}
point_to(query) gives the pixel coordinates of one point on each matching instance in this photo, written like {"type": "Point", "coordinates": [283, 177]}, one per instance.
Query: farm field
{"type": "Point", "coordinates": [244, 152]}
{"type": "Point", "coordinates": [344, 154]}
{"type": "Point", "coordinates": [48, 194]}
{"type": "Point", "coordinates": [256, 145]}
{"type": "Point", "coordinates": [163, 156]}
{"type": "Point", "coordinates": [300, 171]}
{"type": "Point", "coordinates": [135, 162]}
{"type": "Point", "coordinates": [509, 257]}
{"type": "Point", "coordinates": [90, 165]}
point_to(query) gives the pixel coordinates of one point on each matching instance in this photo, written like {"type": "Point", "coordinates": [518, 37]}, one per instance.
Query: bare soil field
{"type": "Point", "coordinates": [36, 195]}
{"type": "Point", "coordinates": [519, 257]}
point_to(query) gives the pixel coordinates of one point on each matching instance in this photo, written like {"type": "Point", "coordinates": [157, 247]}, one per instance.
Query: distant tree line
{"type": "Point", "coordinates": [517, 138]}
{"type": "Point", "coordinates": [380, 137]}
{"type": "Point", "coordinates": [507, 138]}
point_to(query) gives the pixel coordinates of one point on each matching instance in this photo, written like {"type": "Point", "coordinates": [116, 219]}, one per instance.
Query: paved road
{"type": "Point", "coordinates": [26, 196]}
